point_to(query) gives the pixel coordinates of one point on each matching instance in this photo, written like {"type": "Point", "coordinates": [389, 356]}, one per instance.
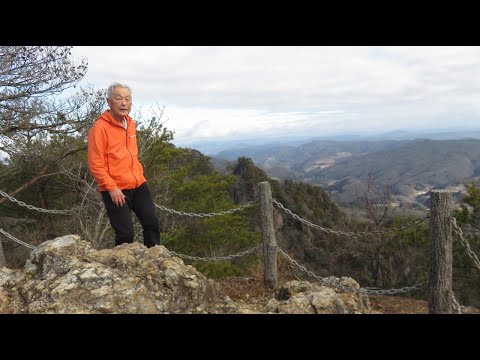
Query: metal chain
{"type": "Point", "coordinates": [219, 258]}
{"type": "Point", "coordinates": [11, 237]}
{"type": "Point", "coordinates": [465, 243]}
{"type": "Point", "coordinates": [348, 288]}
{"type": "Point", "coordinates": [349, 234]}
{"type": "Point", "coordinates": [231, 211]}
{"type": "Point", "coordinates": [456, 305]}
{"type": "Point", "coordinates": [31, 207]}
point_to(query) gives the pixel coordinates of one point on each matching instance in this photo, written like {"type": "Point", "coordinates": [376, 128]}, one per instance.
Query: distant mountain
{"type": "Point", "coordinates": [410, 168]}
{"type": "Point", "coordinates": [432, 135]}
{"type": "Point", "coordinates": [212, 147]}
{"type": "Point", "coordinates": [303, 158]}
{"type": "Point", "coordinates": [216, 147]}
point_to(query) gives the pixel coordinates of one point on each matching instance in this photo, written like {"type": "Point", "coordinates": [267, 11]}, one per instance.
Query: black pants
{"type": "Point", "coordinates": [140, 201]}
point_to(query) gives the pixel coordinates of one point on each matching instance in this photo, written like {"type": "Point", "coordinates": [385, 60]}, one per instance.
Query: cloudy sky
{"type": "Point", "coordinates": [235, 92]}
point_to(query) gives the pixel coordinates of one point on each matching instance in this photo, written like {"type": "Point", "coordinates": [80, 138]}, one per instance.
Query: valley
{"type": "Point", "coordinates": [406, 170]}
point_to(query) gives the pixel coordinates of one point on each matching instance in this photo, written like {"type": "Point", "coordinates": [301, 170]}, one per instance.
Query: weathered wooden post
{"type": "Point", "coordinates": [2, 256]}
{"type": "Point", "coordinates": [440, 233]}
{"type": "Point", "coordinates": [268, 235]}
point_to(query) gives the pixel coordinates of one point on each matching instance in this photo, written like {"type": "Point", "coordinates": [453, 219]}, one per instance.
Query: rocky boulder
{"type": "Point", "coordinates": [66, 275]}
{"type": "Point", "coordinates": [303, 297]}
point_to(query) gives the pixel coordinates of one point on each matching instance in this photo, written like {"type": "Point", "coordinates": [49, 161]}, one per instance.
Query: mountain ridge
{"type": "Point", "coordinates": [406, 166]}
{"type": "Point", "coordinates": [213, 147]}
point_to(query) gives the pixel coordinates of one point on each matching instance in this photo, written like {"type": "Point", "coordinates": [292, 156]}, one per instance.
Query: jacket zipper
{"type": "Point", "coordinates": [131, 155]}
{"type": "Point", "coordinates": [126, 145]}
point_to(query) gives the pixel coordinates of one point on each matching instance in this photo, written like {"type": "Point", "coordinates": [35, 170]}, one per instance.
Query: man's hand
{"type": "Point", "coordinates": [117, 197]}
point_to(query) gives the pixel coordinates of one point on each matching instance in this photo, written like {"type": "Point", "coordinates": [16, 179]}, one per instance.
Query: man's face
{"type": "Point", "coordinates": [120, 103]}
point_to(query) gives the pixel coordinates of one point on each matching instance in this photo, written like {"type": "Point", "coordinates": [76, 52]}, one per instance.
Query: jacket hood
{"type": "Point", "coordinates": [108, 117]}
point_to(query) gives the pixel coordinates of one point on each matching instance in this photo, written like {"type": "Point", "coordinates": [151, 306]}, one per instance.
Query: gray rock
{"type": "Point", "coordinates": [66, 275]}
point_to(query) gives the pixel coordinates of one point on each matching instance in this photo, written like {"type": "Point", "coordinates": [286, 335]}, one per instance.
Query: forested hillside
{"type": "Point", "coordinates": [410, 168]}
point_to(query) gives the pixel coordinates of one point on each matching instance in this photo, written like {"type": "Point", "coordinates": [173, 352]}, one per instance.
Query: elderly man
{"type": "Point", "coordinates": [113, 161]}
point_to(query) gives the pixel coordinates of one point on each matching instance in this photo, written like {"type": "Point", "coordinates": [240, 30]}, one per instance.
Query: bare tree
{"type": "Point", "coordinates": [34, 147]}
{"type": "Point", "coordinates": [90, 216]}
{"type": "Point", "coordinates": [29, 75]}
{"type": "Point", "coordinates": [31, 112]}
{"type": "Point", "coordinates": [377, 201]}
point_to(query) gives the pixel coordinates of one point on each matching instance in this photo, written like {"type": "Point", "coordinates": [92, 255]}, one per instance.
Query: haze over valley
{"type": "Point", "coordinates": [408, 164]}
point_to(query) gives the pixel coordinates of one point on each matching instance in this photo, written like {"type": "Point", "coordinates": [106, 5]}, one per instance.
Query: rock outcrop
{"type": "Point", "coordinates": [303, 297]}
{"type": "Point", "coordinates": [66, 275]}
{"type": "Point", "coordinates": [306, 298]}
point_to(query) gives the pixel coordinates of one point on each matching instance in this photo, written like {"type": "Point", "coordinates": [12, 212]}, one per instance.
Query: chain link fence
{"type": "Point", "coordinates": [349, 234]}
{"type": "Point", "coordinates": [343, 287]}
{"type": "Point", "coordinates": [456, 305]}
{"type": "Point", "coordinates": [11, 237]}
{"type": "Point", "coordinates": [218, 258]}
{"type": "Point", "coordinates": [220, 213]}
{"type": "Point", "coordinates": [465, 243]}
{"type": "Point", "coordinates": [31, 207]}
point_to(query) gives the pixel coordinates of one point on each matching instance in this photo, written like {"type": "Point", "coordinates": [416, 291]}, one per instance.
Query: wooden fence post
{"type": "Point", "coordinates": [440, 233]}
{"type": "Point", "coordinates": [268, 235]}
{"type": "Point", "coordinates": [2, 256]}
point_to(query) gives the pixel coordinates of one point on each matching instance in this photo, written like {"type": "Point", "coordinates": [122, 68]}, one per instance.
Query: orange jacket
{"type": "Point", "coordinates": [113, 154]}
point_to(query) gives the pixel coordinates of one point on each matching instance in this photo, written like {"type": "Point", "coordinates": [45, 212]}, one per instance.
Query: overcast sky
{"type": "Point", "coordinates": [235, 92]}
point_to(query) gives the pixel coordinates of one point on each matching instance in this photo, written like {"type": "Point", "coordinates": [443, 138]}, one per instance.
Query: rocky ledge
{"type": "Point", "coordinates": [66, 275]}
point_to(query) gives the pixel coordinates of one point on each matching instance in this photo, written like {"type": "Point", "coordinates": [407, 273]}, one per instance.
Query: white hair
{"type": "Point", "coordinates": [115, 85]}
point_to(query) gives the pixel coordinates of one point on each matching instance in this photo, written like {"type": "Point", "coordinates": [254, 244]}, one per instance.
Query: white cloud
{"type": "Point", "coordinates": [240, 91]}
